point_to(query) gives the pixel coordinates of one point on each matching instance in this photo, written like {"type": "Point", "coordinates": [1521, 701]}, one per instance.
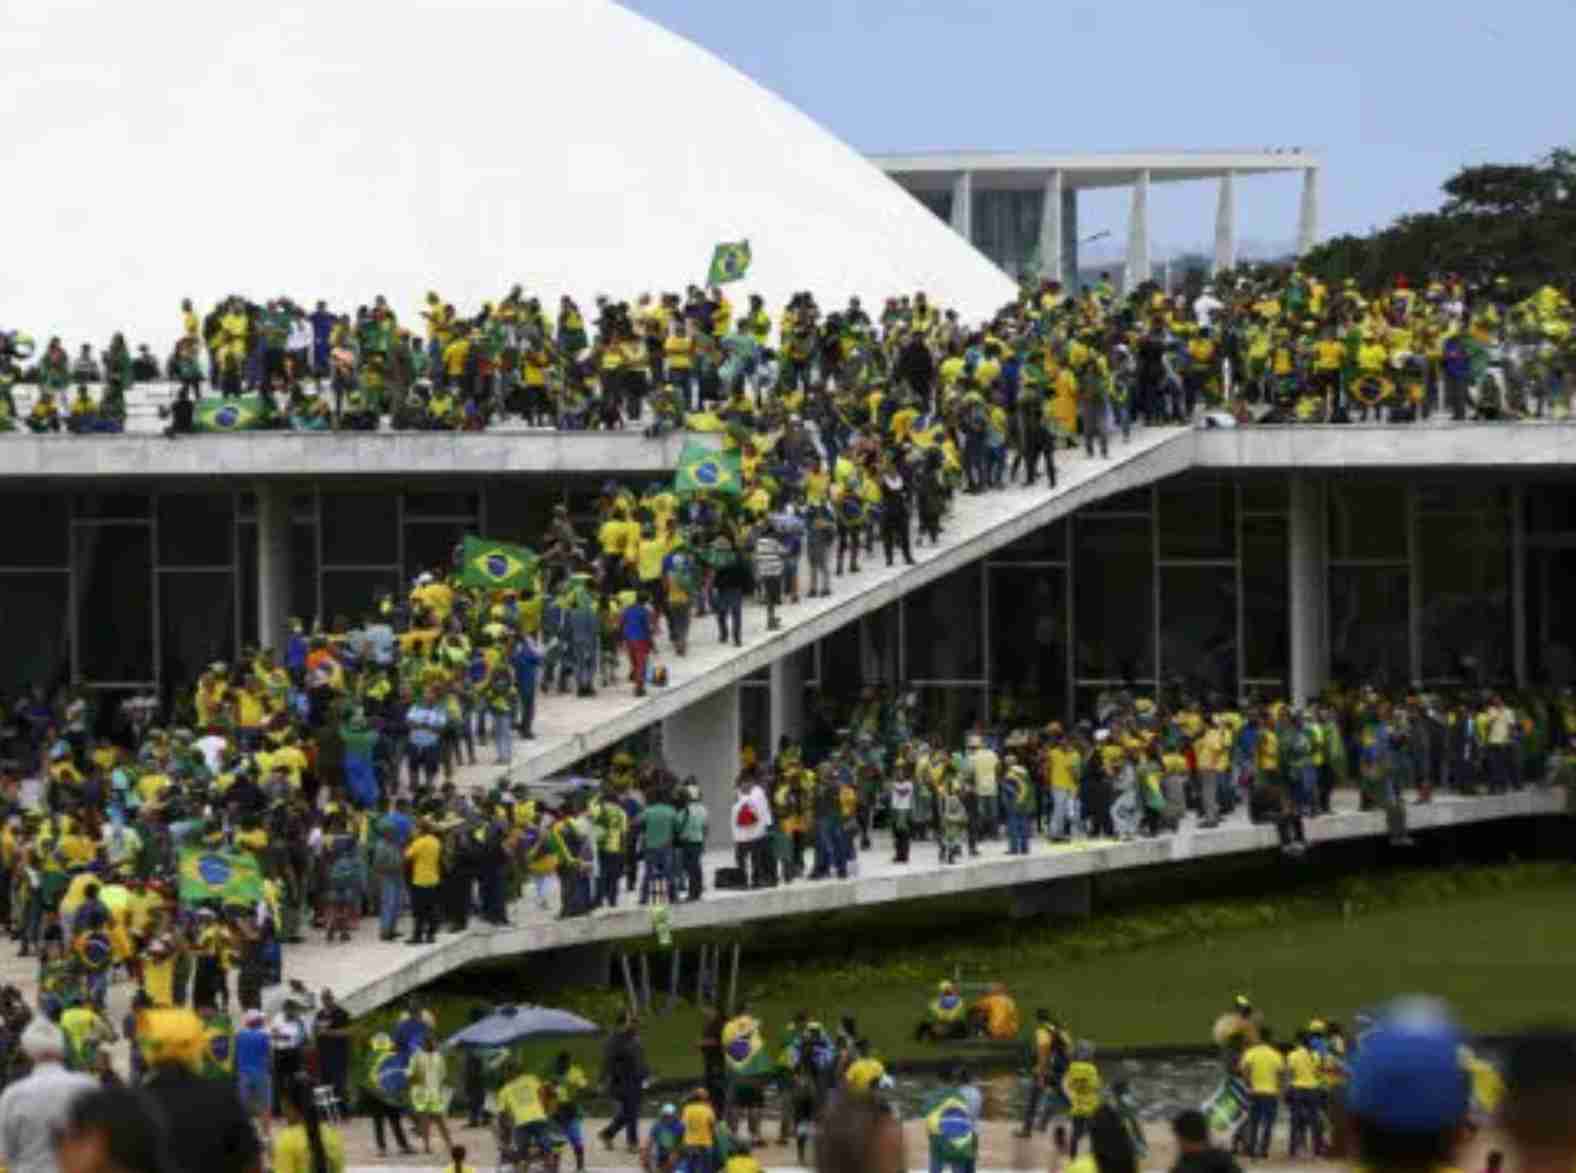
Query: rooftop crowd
{"type": "Point", "coordinates": [1266, 346]}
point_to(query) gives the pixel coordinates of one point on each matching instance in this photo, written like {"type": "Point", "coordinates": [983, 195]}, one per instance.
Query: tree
{"type": "Point", "coordinates": [1515, 221]}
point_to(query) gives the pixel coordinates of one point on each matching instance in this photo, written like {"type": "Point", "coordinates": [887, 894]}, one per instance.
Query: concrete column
{"type": "Point", "coordinates": [274, 569]}
{"type": "Point", "coordinates": [787, 700]}
{"type": "Point", "coordinates": [1051, 229]}
{"type": "Point", "coordinates": [1138, 234]}
{"type": "Point", "coordinates": [1308, 213]}
{"type": "Point", "coordinates": [1069, 273]}
{"type": "Point", "coordinates": [703, 740]}
{"type": "Point", "coordinates": [1307, 578]}
{"type": "Point", "coordinates": [1226, 223]}
{"type": "Point", "coordinates": [963, 205]}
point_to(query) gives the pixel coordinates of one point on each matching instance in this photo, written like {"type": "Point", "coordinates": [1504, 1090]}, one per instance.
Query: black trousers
{"type": "Point", "coordinates": [627, 1117]}
{"type": "Point", "coordinates": [424, 912]}
{"type": "Point", "coordinates": [894, 532]}
{"type": "Point", "coordinates": [382, 1112]}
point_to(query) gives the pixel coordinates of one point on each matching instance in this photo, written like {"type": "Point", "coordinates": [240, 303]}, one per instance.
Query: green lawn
{"type": "Point", "coordinates": [1502, 959]}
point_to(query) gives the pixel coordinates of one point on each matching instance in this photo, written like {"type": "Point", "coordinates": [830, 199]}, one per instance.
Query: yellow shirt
{"type": "Point", "coordinates": [699, 1123]}
{"type": "Point", "coordinates": [864, 1074]}
{"type": "Point", "coordinates": [1064, 768]}
{"type": "Point", "coordinates": [1262, 1066]}
{"type": "Point", "coordinates": [678, 352]}
{"type": "Point", "coordinates": [1303, 1068]}
{"type": "Point", "coordinates": [424, 854]}
{"type": "Point", "coordinates": [292, 1153]}
{"type": "Point", "coordinates": [649, 559]}
{"type": "Point", "coordinates": [158, 979]}
{"type": "Point", "coordinates": [522, 1099]}
{"type": "Point", "coordinates": [1081, 1085]}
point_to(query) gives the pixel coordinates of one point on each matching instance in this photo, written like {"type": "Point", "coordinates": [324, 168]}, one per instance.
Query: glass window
{"type": "Point", "coordinates": [1132, 501]}
{"type": "Point", "coordinates": [350, 594]}
{"type": "Point", "coordinates": [842, 671]}
{"type": "Point", "coordinates": [948, 711]}
{"type": "Point", "coordinates": [1114, 602]}
{"type": "Point", "coordinates": [1368, 520]}
{"type": "Point", "coordinates": [196, 624]}
{"type": "Point", "coordinates": [114, 569]}
{"type": "Point", "coordinates": [441, 504]}
{"type": "Point", "coordinates": [429, 545]}
{"type": "Point", "coordinates": [1265, 494]}
{"type": "Point", "coordinates": [1028, 641]}
{"type": "Point", "coordinates": [942, 626]}
{"type": "Point", "coordinates": [1445, 497]}
{"type": "Point", "coordinates": [38, 530]}
{"type": "Point", "coordinates": [1551, 509]}
{"type": "Point", "coordinates": [1465, 625]}
{"type": "Point", "coordinates": [1198, 628]}
{"type": "Point", "coordinates": [303, 574]}
{"type": "Point", "coordinates": [1046, 544]}
{"type": "Point", "coordinates": [195, 529]}
{"type": "Point", "coordinates": [114, 506]}
{"type": "Point", "coordinates": [35, 611]}
{"type": "Point", "coordinates": [755, 721]}
{"type": "Point", "coordinates": [1551, 620]}
{"type": "Point", "coordinates": [1265, 603]}
{"type": "Point", "coordinates": [360, 529]}
{"type": "Point", "coordinates": [246, 548]}
{"type": "Point", "coordinates": [1198, 519]}
{"type": "Point", "coordinates": [1369, 636]}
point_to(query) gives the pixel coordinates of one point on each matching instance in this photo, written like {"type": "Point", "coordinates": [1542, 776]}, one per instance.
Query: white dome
{"type": "Point", "coordinates": [163, 150]}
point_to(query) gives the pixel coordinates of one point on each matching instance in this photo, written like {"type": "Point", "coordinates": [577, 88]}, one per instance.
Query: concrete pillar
{"type": "Point", "coordinates": [1308, 213]}
{"type": "Point", "coordinates": [1226, 223]}
{"type": "Point", "coordinates": [703, 740]}
{"type": "Point", "coordinates": [787, 700]}
{"type": "Point", "coordinates": [1051, 229]}
{"type": "Point", "coordinates": [1069, 273]}
{"type": "Point", "coordinates": [274, 570]}
{"type": "Point", "coordinates": [1069, 898]}
{"type": "Point", "coordinates": [1138, 234]}
{"type": "Point", "coordinates": [963, 205]}
{"type": "Point", "coordinates": [1307, 578]}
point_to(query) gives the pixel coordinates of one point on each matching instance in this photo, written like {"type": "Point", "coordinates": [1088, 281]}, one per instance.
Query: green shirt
{"type": "Point", "coordinates": [659, 820]}
{"type": "Point", "coordinates": [692, 824]}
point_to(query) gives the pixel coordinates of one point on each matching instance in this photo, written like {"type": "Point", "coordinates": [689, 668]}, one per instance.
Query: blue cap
{"type": "Point", "coordinates": [1408, 1075]}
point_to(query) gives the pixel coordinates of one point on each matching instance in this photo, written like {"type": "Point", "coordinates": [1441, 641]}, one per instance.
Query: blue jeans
{"type": "Point", "coordinates": [730, 605]}
{"type": "Point", "coordinates": [391, 891]}
{"type": "Point", "coordinates": [1262, 1111]}
{"type": "Point", "coordinates": [1017, 832]}
{"type": "Point", "coordinates": [527, 689]}
{"type": "Point", "coordinates": [503, 737]}
{"type": "Point", "coordinates": [1306, 790]}
{"type": "Point", "coordinates": [831, 847]}
{"type": "Point", "coordinates": [659, 863]}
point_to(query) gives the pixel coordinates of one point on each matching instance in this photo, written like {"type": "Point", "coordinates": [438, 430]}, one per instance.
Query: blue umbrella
{"type": "Point", "coordinates": [509, 1025]}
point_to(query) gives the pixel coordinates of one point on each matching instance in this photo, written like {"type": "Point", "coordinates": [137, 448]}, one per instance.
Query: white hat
{"type": "Point", "coordinates": [42, 1039]}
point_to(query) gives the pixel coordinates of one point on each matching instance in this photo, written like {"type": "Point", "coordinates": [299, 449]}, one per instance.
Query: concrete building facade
{"type": "Point", "coordinates": [1021, 208]}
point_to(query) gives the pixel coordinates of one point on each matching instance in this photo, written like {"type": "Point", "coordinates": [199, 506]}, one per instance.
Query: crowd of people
{"type": "Point", "coordinates": [1266, 345]}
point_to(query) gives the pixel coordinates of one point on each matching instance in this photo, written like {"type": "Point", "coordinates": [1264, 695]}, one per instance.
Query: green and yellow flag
{"type": "Point", "coordinates": [229, 415]}
{"type": "Point", "coordinates": [496, 566]}
{"type": "Point", "coordinates": [702, 470]}
{"type": "Point", "coordinates": [230, 877]}
{"type": "Point", "coordinates": [729, 262]}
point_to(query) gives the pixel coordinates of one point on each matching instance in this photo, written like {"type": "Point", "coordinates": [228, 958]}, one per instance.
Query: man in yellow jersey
{"type": "Point", "coordinates": [1047, 1056]}
{"type": "Point", "coordinates": [699, 1120]}
{"type": "Point", "coordinates": [1305, 1081]}
{"type": "Point", "coordinates": [527, 1100]}
{"type": "Point", "coordinates": [1262, 1067]}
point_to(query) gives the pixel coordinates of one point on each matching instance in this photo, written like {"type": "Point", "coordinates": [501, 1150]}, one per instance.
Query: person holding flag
{"type": "Point", "coordinates": [952, 1129]}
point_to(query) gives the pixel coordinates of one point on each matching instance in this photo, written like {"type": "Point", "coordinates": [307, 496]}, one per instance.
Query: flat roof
{"type": "Point", "coordinates": [1005, 170]}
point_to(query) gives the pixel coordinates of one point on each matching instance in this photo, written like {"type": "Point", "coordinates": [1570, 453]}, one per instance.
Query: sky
{"type": "Point", "coordinates": [1395, 94]}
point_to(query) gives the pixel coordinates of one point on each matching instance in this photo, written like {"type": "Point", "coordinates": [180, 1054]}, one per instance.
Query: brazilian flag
{"type": "Point", "coordinates": [387, 1077]}
{"type": "Point", "coordinates": [744, 1050]}
{"type": "Point", "coordinates": [950, 1126]}
{"type": "Point", "coordinates": [230, 877]}
{"type": "Point", "coordinates": [244, 414]}
{"type": "Point", "coordinates": [702, 470]}
{"type": "Point", "coordinates": [496, 565]}
{"type": "Point", "coordinates": [729, 262]}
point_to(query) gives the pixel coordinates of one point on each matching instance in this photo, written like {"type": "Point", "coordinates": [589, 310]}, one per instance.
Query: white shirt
{"type": "Point", "coordinates": [755, 800]}
{"type": "Point", "coordinates": [31, 1110]}
{"type": "Point", "coordinates": [301, 335]}
{"type": "Point", "coordinates": [1205, 307]}
{"type": "Point", "coordinates": [212, 749]}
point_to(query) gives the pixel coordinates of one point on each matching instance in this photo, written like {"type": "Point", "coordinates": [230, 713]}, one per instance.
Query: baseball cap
{"type": "Point", "coordinates": [1408, 1075]}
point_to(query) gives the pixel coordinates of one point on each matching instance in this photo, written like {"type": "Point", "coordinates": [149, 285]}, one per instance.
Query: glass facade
{"type": "Point", "coordinates": [1182, 584]}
